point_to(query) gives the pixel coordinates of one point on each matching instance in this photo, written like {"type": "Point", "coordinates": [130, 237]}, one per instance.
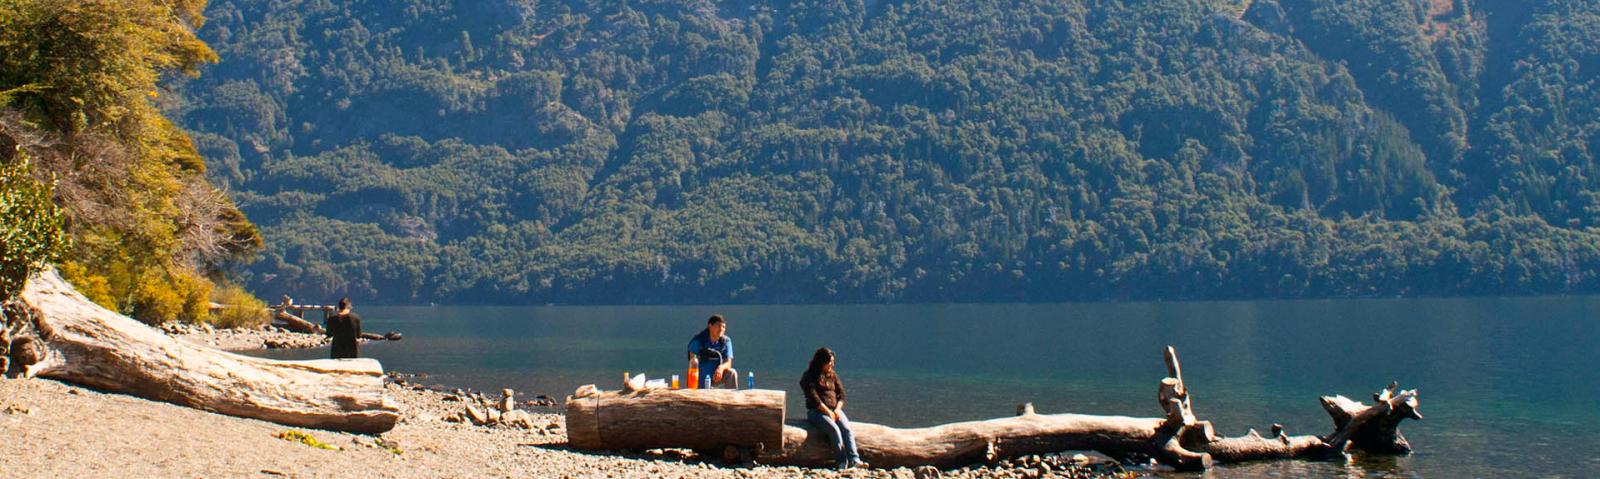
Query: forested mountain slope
{"type": "Point", "coordinates": [518, 151]}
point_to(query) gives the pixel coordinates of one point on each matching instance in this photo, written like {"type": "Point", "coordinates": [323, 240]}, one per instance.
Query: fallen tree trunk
{"type": "Point", "coordinates": [957, 444]}
{"type": "Point", "coordinates": [289, 321]}
{"type": "Point", "coordinates": [1178, 440]}
{"type": "Point", "coordinates": [63, 335]}
{"type": "Point", "coordinates": [389, 336]}
{"type": "Point", "coordinates": [700, 419]}
{"type": "Point", "coordinates": [708, 420]}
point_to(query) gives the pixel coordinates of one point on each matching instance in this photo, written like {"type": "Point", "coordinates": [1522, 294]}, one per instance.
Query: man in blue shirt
{"type": "Point", "coordinates": [712, 352]}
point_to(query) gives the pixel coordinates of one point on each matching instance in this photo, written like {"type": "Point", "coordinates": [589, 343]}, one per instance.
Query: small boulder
{"type": "Point", "coordinates": [517, 418]}
{"type": "Point", "coordinates": [926, 472]}
{"type": "Point", "coordinates": [1090, 458]}
{"type": "Point", "coordinates": [477, 416]}
{"type": "Point", "coordinates": [508, 401]}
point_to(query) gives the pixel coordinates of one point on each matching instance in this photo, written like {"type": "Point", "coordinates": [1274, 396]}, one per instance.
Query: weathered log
{"type": "Point", "coordinates": [957, 444]}
{"type": "Point", "coordinates": [1178, 439]}
{"type": "Point", "coordinates": [294, 323]}
{"type": "Point", "coordinates": [700, 419]}
{"type": "Point", "coordinates": [389, 336]}
{"type": "Point", "coordinates": [75, 340]}
{"type": "Point", "coordinates": [711, 420]}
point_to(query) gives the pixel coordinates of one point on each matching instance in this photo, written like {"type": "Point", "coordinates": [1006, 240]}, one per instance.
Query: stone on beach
{"type": "Point", "coordinates": [477, 416]}
{"type": "Point", "coordinates": [518, 419]}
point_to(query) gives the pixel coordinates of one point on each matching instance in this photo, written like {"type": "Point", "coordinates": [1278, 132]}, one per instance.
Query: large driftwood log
{"type": "Point", "coordinates": [700, 419]}
{"type": "Point", "coordinates": [70, 338]}
{"type": "Point", "coordinates": [962, 443]}
{"type": "Point", "coordinates": [707, 420]}
{"type": "Point", "coordinates": [289, 321]}
{"type": "Point", "coordinates": [1178, 439]}
{"type": "Point", "coordinates": [294, 323]}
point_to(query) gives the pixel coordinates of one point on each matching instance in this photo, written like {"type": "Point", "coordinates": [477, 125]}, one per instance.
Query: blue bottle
{"type": "Point", "coordinates": [751, 383]}
{"type": "Point", "coordinates": [705, 382]}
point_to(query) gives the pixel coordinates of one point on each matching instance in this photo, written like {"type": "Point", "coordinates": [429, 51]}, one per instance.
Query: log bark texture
{"type": "Point", "coordinates": [1178, 439]}
{"type": "Point", "coordinates": [957, 444]}
{"type": "Point", "coordinates": [700, 419]}
{"type": "Point", "coordinates": [708, 420]}
{"type": "Point", "coordinates": [287, 320]}
{"type": "Point", "coordinates": [70, 338]}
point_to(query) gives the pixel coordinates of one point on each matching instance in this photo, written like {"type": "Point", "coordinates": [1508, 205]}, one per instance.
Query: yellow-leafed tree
{"type": "Point", "coordinates": [79, 86]}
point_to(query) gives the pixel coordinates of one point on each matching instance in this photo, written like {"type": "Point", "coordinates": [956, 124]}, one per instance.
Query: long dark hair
{"type": "Point", "coordinates": [819, 361]}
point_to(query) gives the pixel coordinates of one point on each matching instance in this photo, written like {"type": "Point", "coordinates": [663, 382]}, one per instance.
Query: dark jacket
{"type": "Point", "coordinates": [345, 329]}
{"type": "Point", "coordinates": [820, 390]}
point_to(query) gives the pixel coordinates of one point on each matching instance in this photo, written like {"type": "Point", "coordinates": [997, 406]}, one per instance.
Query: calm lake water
{"type": "Point", "coordinates": [1509, 386]}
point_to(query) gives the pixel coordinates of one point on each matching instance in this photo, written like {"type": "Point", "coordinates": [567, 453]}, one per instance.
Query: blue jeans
{"type": "Point", "coordinates": [839, 436]}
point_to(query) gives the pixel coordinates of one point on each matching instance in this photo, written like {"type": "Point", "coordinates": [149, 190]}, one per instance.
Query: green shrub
{"type": "Point", "coordinates": [240, 309]}
{"type": "Point", "coordinates": [195, 292]}
{"type": "Point", "coordinates": [93, 286]}
{"type": "Point", "coordinates": [30, 224]}
{"type": "Point", "coordinates": [155, 301]}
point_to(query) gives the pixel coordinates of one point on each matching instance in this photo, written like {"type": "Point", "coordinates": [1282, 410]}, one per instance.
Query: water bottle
{"type": "Point", "coordinates": [751, 383]}
{"type": "Point", "coordinates": [705, 382]}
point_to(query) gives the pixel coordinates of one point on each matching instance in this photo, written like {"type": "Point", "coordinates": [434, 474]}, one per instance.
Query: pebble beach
{"type": "Point", "coordinates": [56, 429]}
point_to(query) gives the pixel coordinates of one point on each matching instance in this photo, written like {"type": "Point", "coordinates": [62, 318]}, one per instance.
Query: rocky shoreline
{"type": "Point", "coordinates": [445, 432]}
{"type": "Point", "coordinates": [45, 422]}
{"type": "Point", "coordinates": [542, 417]}
{"type": "Point", "coordinates": [265, 337]}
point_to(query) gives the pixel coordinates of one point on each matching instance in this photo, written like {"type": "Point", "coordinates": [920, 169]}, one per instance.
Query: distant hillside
{"type": "Point", "coordinates": [519, 151]}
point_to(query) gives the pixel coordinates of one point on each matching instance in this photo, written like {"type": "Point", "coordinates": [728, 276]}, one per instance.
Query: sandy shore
{"type": "Point", "coordinates": [55, 429]}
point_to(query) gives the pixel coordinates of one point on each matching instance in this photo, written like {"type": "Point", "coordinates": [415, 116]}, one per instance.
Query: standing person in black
{"type": "Point", "coordinates": [825, 408]}
{"type": "Point", "coordinates": [345, 327]}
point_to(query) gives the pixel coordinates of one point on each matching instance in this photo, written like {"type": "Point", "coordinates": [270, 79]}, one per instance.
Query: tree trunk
{"type": "Point", "coordinates": [957, 444]}
{"type": "Point", "coordinates": [295, 323]}
{"type": "Point", "coordinates": [1178, 440]}
{"type": "Point", "coordinates": [70, 338]}
{"type": "Point", "coordinates": [700, 419]}
{"type": "Point", "coordinates": [389, 336]}
{"type": "Point", "coordinates": [678, 419]}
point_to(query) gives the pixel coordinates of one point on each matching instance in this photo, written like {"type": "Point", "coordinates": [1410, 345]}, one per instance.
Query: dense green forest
{"type": "Point", "coordinates": [95, 179]}
{"type": "Point", "coordinates": [643, 151]}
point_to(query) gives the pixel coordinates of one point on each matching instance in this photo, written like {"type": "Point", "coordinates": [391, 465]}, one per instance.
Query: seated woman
{"type": "Point", "coordinates": [825, 408]}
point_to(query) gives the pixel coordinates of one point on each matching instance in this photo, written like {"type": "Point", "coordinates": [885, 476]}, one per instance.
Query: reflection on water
{"type": "Point", "coordinates": [1488, 369]}
{"type": "Point", "coordinates": [1355, 466]}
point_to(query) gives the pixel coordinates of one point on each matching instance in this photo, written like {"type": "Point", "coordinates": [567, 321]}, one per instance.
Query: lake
{"type": "Point", "coordinates": [1509, 386]}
